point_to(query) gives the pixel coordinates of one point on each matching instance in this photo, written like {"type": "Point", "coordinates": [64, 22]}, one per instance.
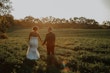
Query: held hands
{"type": "Point", "coordinates": [42, 43]}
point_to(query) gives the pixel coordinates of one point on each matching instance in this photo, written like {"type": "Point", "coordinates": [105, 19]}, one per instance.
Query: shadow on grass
{"type": "Point", "coordinates": [53, 65]}
{"type": "Point", "coordinates": [27, 66]}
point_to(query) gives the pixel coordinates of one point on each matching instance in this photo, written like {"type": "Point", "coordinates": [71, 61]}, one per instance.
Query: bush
{"type": "Point", "coordinates": [3, 36]}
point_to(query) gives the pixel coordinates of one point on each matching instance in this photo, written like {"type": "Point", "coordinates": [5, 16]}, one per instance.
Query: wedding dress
{"type": "Point", "coordinates": [32, 52]}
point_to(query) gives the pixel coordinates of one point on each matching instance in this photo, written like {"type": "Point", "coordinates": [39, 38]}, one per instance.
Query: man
{"type": "Point", "coordinates": [50, 41]}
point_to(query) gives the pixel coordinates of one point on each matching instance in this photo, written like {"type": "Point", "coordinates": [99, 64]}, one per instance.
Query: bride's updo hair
{"type": "Point", "coordinates": [35, 28]}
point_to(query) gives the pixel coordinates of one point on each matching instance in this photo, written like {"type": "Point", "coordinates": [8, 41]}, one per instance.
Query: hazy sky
{"type": "Point", "coordinates": [95, 9]}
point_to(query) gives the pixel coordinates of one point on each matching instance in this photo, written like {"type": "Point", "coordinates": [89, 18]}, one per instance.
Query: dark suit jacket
{"type": "Point", "coordinates": [50, 39]}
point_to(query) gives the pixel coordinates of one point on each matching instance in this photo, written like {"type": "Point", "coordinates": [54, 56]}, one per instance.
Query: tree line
{"type": "Point", "coordinates": [76, 22]}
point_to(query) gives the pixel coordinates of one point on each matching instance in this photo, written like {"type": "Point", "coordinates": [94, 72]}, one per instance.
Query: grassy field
{"type": "Point", "coordinates": [76, 51]}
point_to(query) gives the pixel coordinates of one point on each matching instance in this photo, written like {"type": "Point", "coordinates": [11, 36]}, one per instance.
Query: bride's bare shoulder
{"type": "Point", "coordinates": [34, 33]}
{"type": "Point", "coordinates": [31, 33]}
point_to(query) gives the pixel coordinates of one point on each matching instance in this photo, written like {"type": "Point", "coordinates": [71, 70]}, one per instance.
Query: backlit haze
{"type": "Point", "coordinates": [93, 9]}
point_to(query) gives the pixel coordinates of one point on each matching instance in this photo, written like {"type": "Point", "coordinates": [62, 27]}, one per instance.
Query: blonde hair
{"type": "Point", "coordinates": [35, 28]}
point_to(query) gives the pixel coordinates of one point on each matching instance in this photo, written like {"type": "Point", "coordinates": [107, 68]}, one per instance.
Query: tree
{"type": "Point", "coordinates": [5, 7]}
{"type": "Point", "coordinates": [29, 19]}
{"type": "Point", "coordinates": [5, 10]}
{"type": "Point", "coordinates": [106, 24]}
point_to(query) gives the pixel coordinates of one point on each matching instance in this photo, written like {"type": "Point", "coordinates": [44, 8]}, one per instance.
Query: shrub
{"type": "Point", "coordinates": [3, 36]}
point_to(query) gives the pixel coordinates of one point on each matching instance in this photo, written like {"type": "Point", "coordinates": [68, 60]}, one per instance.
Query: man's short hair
{"type": "Point", "coordinates": [50, 28]}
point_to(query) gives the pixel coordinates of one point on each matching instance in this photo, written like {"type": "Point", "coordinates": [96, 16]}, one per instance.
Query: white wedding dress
{"type": "Point", "coordinates": [32, 52]}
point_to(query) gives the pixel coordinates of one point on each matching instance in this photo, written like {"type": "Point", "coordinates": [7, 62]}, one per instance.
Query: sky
{"type": "Point", "coordinates": [93, 9]}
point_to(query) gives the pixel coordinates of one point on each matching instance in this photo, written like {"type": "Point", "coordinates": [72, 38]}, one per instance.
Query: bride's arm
{"type": "Point", "coordinates": [40, 38]}
{"type": "Point", "coordinates": [29, 37]}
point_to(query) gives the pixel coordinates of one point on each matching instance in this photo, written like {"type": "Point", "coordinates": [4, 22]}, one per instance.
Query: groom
{"type": "Point", "coordinates": [50, 41]}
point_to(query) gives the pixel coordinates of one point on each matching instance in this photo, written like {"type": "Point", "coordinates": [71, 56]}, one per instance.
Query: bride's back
{"type": "Point", "coordinates": [34, 34]}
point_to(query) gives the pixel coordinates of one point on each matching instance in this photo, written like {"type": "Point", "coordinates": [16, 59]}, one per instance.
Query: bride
{"type": "Point", "coordinates": [32, 52]}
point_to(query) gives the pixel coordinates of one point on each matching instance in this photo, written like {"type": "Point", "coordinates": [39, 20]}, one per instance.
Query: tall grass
{"type": "Point", "coordinates": [76, 51]}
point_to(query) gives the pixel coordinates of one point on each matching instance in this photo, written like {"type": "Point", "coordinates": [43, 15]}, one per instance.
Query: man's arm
{"type": "Point", "coordinates": [45, 40]}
